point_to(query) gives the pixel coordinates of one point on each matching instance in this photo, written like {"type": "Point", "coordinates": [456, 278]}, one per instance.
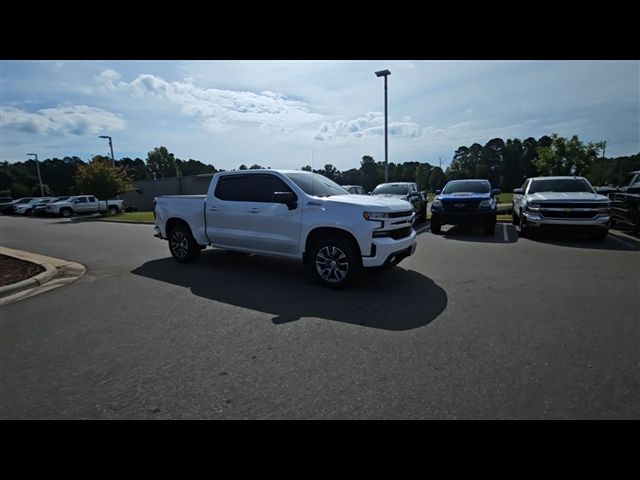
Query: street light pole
{"type": "Point", "coordinates": [38, 169]}
{"type": "Point", "coordinates": [385, 74]}
{"type": "Point", "coordinates": [113, 160]}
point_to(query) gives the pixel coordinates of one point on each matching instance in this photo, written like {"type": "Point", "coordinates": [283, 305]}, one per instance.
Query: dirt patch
{"type": "Point", "coordinates": [14, 270]}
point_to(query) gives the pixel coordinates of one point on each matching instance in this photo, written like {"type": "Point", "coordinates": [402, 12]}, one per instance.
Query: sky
{"type": "Point", "coordinates": [287, 114]}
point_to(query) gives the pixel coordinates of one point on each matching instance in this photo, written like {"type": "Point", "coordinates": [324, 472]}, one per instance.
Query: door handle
{"type": "Point", "coordinates": [254, 210]}
{"type": "Point", "coordinates": [213, 209]}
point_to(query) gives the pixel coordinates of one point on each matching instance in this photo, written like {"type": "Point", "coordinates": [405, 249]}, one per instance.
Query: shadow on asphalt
{"type": "Point", "coordinates": [394, 299]}
{"type": "Point", "coordinates": [473, 233]}
{"type": "Point", "coordinates": [612, 241]}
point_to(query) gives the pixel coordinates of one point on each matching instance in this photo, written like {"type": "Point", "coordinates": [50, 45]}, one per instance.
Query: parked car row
{"type": "Point", "coordinates": [60, 206]}
{"type": "Point", "coordinates": [408, 191]}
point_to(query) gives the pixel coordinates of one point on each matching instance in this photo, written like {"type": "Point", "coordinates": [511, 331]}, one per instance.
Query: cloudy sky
{"type": "Point", "coordinates": [284, 113]}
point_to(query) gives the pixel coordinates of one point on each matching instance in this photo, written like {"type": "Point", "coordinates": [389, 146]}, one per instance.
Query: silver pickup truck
{"type": "Point", "coordinates": [83, 204]}
{"type": "Point", "coordinates": [561, 202]}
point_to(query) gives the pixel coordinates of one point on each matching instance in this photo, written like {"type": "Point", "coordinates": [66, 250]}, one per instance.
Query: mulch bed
{"type": "Point", "coordinates": [13, 270]}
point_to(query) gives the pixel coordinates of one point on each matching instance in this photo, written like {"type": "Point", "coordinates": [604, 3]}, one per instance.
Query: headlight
{"type": "Point", "coordinates": [486, 203]}
{"type": "Point", "coordinates": [436, 203]}
{"type": "Point", "coordinates": [533, 207]}
{"type": "Point", "coordinates": [375, 215]}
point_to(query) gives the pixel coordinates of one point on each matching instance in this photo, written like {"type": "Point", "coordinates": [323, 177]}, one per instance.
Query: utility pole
{"type": "Point", "coordinates": [604, 148]}
{"type": "Point", "coordinates": [38, 169]}
{"type": "Point", "coordinates": [385, 74]}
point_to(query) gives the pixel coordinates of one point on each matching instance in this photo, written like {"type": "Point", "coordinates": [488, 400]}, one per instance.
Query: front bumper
{"type": "Point", "coordinates": [478, 217]}
{"type": "Point", "coordinates": [385, 248]}
{"type": "Point", "coordinates": [537, 220]}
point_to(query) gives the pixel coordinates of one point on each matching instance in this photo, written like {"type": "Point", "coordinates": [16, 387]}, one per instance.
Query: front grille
{"type": "Point", "coordinates": [551, 214]}
{"type": "Point", "coordinates": [396, 234]}
{"type": "Point", "coordinates": [408, 213]}
{"type": "Point", "coordinates": [460, 206]}
{"type": "Point", "coordinates": [572, 205]}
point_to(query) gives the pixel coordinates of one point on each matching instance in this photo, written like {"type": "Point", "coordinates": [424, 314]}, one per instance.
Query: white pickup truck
{"type": "Point", "coordinates": [291, 214]}
{"type": "Point", "coordinates": [81, 204]}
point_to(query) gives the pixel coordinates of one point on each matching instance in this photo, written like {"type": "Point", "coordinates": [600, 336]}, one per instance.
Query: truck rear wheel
{"type": "Point", "coordinates": [335, 261]}
{"type": "Point", "coordinates": [182, 245]}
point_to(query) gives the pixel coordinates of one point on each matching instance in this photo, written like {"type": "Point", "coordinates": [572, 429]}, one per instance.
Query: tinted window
{"type": "Point", "coordinates": [317, 185]}
{"type": "Point", "coordinates": [560, 185]}
{"type": "Point", "coordinates": [234, 188]}
{"type": "Point", "coordinates": [465, 186]}
{"type": "Point", "coordinates": [390, 188]}
{"type": "Point", "coordinates": [92, 199]}
{"type": "Point", "coordinates": [264, 186]}
{"type": "Point", "coordinates": [82, 200]}
{"type": "Point", "coordinates": [249, 188]}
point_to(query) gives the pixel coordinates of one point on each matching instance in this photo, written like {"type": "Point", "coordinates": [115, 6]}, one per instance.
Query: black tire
{"type": "Point", "coordinates": [600, 235]}
{"type": "Point", "coordinates": [436, 225]}
{"type": "Point", "coordinates": [522, 227]}
{"type": "Point", "coordinates": [490, 228]}
{"type": "Point", "coordinates": [29, 212]}
{"type": "Point", "coordinates": [335, 261]}
{"type": "Point", "coordinates": [114, 210]}
{"type": "Point", "coordinates": [424, 212]}
{"type": "Point", "coordinates": [514, 218]}
{"type": "Point", "coordinates": [66, 212]}
{"type": "Point", "coordinates": [182, 245]}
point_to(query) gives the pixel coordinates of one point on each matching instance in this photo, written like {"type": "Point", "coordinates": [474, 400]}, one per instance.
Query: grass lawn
{"type": "Point", "coordinates": [140, 217]}
{"type": "Point", "coordinates": [505, 198]}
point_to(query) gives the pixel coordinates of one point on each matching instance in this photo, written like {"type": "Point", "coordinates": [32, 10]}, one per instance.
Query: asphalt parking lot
{"type": "Point", "coordinates": [469, 327]}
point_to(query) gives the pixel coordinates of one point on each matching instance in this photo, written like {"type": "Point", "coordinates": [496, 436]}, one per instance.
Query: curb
{"type": "Point", "coordinates": [57, 272]}
{"type": "Point", "coordinates": [49, 272]}
{"type": "Point", "coordinates": [127, 221]}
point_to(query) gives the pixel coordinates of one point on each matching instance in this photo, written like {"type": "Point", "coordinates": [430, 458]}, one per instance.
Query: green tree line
{"type": "Point", "coordinates": [504, 163]}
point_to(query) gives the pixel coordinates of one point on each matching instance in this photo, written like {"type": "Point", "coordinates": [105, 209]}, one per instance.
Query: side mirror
{"type": "Point", "coordinates": [518, 191]}
{"type": "Point", "coordinates": [495, 191]}
{"type": "Point", "coordinates": [288, 198]}
{"type": "Point", "coordinates": [438, 192]}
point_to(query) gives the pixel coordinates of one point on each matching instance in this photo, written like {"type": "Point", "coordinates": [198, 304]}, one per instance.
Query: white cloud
{"type": "Point", "coordinates": [217, 109]}
{"type": "Point", "coordinates": [61, 120]}
{"type": "Point", "coordinates": [372, 124]}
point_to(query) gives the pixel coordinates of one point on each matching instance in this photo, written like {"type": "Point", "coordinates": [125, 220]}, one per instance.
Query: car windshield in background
{"type": "Point", "coordinates": [316, 185]}
{"type": "Point", "coordinates": [390, 189]}
{"type": "Point", "coordinates": [466, 187]}
{"type": "Point", "coordinates": [560, 185]}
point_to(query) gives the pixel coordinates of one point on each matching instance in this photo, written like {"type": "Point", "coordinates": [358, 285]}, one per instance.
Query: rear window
{"type": "Point", "coordinates": [390, 189]}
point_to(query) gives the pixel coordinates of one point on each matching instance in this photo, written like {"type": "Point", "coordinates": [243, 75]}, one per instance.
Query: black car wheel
{"type": "Point", "coordinates": [436, 225]}
{"type": "Point", "coordinates": [335, 261]}
{"type": "Point", "coordinates": [182, 245]}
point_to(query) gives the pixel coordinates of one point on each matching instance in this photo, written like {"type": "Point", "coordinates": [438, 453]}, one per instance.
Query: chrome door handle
{"type": "Point", "coordinates": [213, 209]}
{"type": "Point", "coordinates": [254, 210]}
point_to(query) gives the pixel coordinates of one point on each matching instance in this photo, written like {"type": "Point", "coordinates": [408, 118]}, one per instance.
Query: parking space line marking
{"type": "Point", "coordinates": [628, 244]}
{"type": "Point", "coordinates": [504, 232]}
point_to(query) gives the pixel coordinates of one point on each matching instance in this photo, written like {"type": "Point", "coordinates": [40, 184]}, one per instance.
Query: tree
{"type": "Point", "coordinates": [161, 163]}
{"type": "Point", "coordinates": [255, 166]}
{"type": "Point", "coordinates": [102, 179]}
{"type": "Point", "coordinates": [423, 173]}
{"type": "Point", "coordinates": [242, 167]}
{"type": "Point", "coordinates": [369, 172]}
{"type": "Point", "coordinates": [566, 156]}
{"type": "Point", "coordinates": [306, 168]}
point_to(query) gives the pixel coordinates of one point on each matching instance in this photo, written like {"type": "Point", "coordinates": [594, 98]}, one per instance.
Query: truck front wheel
{"type": "Point", "coordinates": [182, 245]}
{"type": "Point", "coordinates": [66, 212]}
{"type": "Point", "coordinates": [335, 262]}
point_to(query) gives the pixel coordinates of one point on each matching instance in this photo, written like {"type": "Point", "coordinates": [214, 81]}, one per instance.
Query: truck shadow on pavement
{"type": "Point", "coordinates": [395, 299]}
{"type": "Point", "coordinates": [504, 233]}
{"type": "Point", "coordinates": [612, 241]}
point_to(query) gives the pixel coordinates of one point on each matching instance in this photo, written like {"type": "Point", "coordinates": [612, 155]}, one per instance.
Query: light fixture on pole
{"type": "Point", "coordinates": [385, 74]}
{"type": "Point", "coordinates": [113, 160]}
{"type": "Point", "coordinates": [38, 169]}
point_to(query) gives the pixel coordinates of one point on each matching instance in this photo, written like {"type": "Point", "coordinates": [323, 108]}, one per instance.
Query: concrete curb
{"type": "Point", "coordinates": [49, 272]}
{"type": "Point", "coordinates": [126, 221]}
{"type": "Point", "coordinates": [57, 272]}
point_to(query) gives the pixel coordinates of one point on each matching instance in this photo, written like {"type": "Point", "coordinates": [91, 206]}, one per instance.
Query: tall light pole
{"type": "Point", "coordinates": [113, 160]}
{"type": "Point", "coordinates": [385, 74]}
{"type": "Point", "coordinates": [38, 169]}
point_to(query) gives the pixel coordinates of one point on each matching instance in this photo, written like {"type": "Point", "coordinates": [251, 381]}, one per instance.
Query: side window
{"type": "Point", "coordinates": [92, 199]}
{"type": "Point", "coordinates": [264, 186]}
{"type": "Point", "coordinates": [82, 200]}
{"type": "Point", "coordinates": [235, 188]}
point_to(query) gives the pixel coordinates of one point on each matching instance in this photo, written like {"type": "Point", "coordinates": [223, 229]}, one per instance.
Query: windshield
{"type": "Point", "coordinates": [466, 187]}
{"type": "Point", "coordinates": [390, 189]}
{"type": "Point", "coordinates": [316, 185]}
{"type": "Point", "coordinates": [560, 185]}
